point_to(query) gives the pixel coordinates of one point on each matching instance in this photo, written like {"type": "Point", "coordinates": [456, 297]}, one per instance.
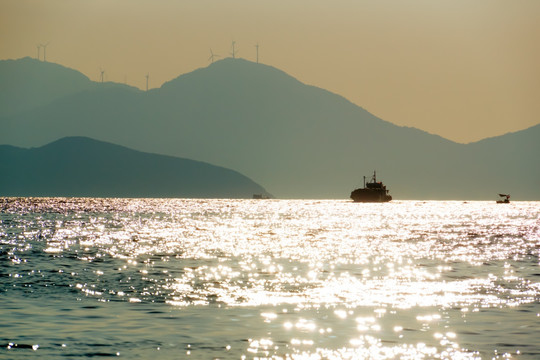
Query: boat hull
{"type": "Point", "coordinates": [368, 195]}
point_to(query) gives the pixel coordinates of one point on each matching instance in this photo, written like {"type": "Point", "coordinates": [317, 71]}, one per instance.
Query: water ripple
{"type": "Point", "coordinates": [338, 262]}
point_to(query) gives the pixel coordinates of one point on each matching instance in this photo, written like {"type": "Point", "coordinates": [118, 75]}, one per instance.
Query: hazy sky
{"type": "Point", "coordinates": [463, 69]}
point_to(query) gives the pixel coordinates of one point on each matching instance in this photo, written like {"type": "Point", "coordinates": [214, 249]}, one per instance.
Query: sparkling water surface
{"type": "Point", "coordinates": [268, 279]}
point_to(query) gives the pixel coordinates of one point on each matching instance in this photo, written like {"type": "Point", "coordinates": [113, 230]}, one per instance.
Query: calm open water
{"type": "Point", "coordinates": [268, 279]}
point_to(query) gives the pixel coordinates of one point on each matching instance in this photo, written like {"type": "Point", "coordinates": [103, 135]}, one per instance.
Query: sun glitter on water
{"type": "Point", "coordinates": [307, 279]}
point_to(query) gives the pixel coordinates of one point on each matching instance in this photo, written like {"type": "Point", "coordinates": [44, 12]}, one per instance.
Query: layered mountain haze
{"type": "Point", "coordinates": [79, 166]}
{"type": "Point", "coordinates": [296, 140]}
{"type": "Point", "coordinates": [28, 83]}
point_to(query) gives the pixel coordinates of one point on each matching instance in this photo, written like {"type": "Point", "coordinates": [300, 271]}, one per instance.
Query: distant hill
{"type": "Point", "coordinates": [297, 140]}
{"type": "Point", "coordinates": [28, 83]}
{"type": "Point", "coordinates": [79, 166]}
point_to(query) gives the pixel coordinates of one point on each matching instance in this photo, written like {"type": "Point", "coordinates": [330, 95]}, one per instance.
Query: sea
{"type": "Point", "coordinates": [268, 279]}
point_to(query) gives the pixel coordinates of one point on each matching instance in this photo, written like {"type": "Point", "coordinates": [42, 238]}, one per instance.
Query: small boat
{"type": "Point", "coordinates": [504, 199]}
{"type": "Point", "coordinates": [260, 196]}
{"type": "Point", "coordinates": [373, 191]}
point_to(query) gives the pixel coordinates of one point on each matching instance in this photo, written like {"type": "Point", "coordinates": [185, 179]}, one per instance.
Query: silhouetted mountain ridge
{"type": "Point", "coordinates": [29, 83]}
{"type": "Point", "coordinates": [295, 139]}
{"type": "Point", "coordinates": [79, 166]}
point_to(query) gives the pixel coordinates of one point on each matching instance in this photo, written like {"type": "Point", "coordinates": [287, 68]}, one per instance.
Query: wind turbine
{"type": "Point", "coordinates": [257, 47]}
{"type": "Point", "coordinates": [45, 51]}
{"type": "Point", "coordinates": [233, 50]}
{"type": "Point", "coordinates": [212, 56]}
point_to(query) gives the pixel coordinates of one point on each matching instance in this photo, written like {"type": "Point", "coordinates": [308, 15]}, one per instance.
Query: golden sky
{"type": "Point", "coordinates": [462, 69]}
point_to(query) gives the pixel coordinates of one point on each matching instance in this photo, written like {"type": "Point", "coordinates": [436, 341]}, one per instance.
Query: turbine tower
{"type": "Point", "coordinates": [147, 76]}
{"type": "Point", "coordinates": [102, 72]}
{"type": "Point", "coordinates": [45, 51]}
{"type": "Point", "coordinates": [257, 47]}
{"type": "Point", "coordinates": [233, 50]}
{"type": "Point", "coordinates": [38, 49]}
{"type": "Point", "coordinates": [212, 56]}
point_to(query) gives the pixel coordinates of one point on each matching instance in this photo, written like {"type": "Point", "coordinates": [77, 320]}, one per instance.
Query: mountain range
{"type": "Point", "coordinates": [296, 140]}
{"type": "Point", "coordinates": [79, 166]}
{"type": "Point", "coordinates": [28, 83]}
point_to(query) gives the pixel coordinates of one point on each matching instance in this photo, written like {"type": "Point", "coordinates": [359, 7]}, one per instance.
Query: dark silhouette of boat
{"type": "Point", "coordinates": [373, 191]}
{"type": "Point", "coordinates": [260, 196]}
{"type": "Point", "coordinates": [504, 199]}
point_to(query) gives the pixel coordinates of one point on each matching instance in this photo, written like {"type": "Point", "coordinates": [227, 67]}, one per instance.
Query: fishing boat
{"type": "Point", "coordinates": [373, 191]}
{"type": "Point", "coordinates": [504, 199]}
